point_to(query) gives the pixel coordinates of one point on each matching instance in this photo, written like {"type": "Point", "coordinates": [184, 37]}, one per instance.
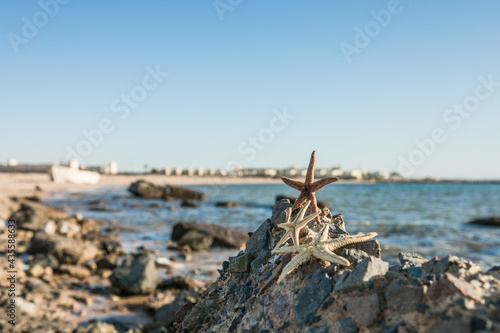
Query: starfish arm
{"type": "Point", "coordinates": [299, 201]}
{"type": "Point", "coordinates": [299, 186]}
{"type": "Point", "coordinates": [325, 254]}
{"type": "Point", "coordinates": [310, 169]}
{"type": "Point", "coordinates": [302, 211]}
{"type": "Point", "coordinates": [283, 239]}
{"type": "Point", "coordinates": [305, 221]}
{"type": "Point", "coordinates": [323, 234]}
{"type": "Point", "coordinates": [320, 183]}
{"type": "Point", "coordinates": [289, 249]}
{"type": "Point", "coordinates": [298, 260]}
{"type": "Point", "coordinates": [343, 241]}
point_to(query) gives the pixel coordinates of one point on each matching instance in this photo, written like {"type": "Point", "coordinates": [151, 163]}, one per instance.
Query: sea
{"type": "Point", "coordinates": [429, 219]}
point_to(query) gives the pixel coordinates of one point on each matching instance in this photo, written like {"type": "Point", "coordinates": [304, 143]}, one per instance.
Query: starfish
{"type": "Point", "coordinates": [321, 248]}
{"type": "Point", "coordinates": [292, 229]}
{"type": "Point", "coordinates": [309, 186]}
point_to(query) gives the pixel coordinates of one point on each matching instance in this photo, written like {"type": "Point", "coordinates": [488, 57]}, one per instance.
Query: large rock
{"type": "Point", "coordinates": [145, 189]}
{"type": "Point", "coordinates": [222, 236]}
{"type": "Point", "coordinates": [65, 250]}
{"type": "Point", "coordinates": [32, 215]}
{"type": "Point", "coordinates": [136, 276]}
{"type": "Point", "coordinates": [452, 295]}
{"type": "Point", "coordinates": [493, 221]}
{"type": "Point", "coordinates": [196, 241]}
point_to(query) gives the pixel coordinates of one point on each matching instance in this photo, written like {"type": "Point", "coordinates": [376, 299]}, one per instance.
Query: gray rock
{"type": "Point", "coordinates": [227, 204]}
{"type": "Point", "coordinates": [111, 246]}
{"type": "Point", "coordinates": [311, 297]}
{"type": "Point", "coordinates": [354, 256]}
{"type": "Point", "coordinates": [365, 309]}
{"type": "Point", "coordinates": [144, 189]}
{"type": "Point", "coordinates": [240, 264]}
{"type": "Point", "coordinates": [494, 271]}
{"type": "Point", "coordinates": [65, 250]}
{"type": "Point", "coordinates": [408, 259]}
{"type": "Point", "coordinates": [37, 286]}
{"type": "Point", "coordinates": [44, 260]}
{"type": "Point", "coordinates": [178, 192]}
{"type": "Point", "coordinates": [279, 208]}
{"type": "Point", "coordinates": [222, 236]}
{"type": "Point", "coordinates": [198, 312]}
{"type": "Point", "coordinates": [439, 266]}
{"type": "Point", "coordinates": [196, 241]}
{"type": "Point", "coordinates": [165, 314]}
{"type": "Point", "coordinates": [187, 203]}
{"type": "Point", "coordinates": [347, 325]}
{"type": "Point", "coordinates": [32, 216]}
{"type": "Point", "coordinates": [260, 239]}
{"type": "Point", "coordinates": [321, 329]}
{"type": "Point", "coordinates": [493, 221]}
{"type": "Point", "coordinates": [362, 275]}
{"type": "Point", "coordinates": [137, 275]}
{"type": "Point", "coordinates": [261, 260]}
{"type": "Point", "coordinates": [403, 298]}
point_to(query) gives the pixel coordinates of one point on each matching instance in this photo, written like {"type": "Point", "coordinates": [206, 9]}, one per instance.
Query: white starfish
{"type": "Point", "coordinates": [292, 229]}
{"type": "Point", "coordinates": [320, 248]}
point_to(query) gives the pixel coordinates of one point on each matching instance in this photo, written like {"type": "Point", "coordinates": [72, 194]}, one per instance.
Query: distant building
{"type": "Point", "coordinates": [355, 173]}
{"type": "Point", "coordinates": [74, 164]}
{"type": "Point", "coordinates": [12, 162]}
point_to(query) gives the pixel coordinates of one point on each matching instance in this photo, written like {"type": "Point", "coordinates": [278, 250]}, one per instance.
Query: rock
{"type": "Point", "coordinates": [75, 271]}
{"type": "Point", "coordinates": [227, 204]}
{"type": "Point", "coordinates": [495, 272]}
{"type": "Point", "coordinates": [89, 226]}
{"type": "Point", "coordinates": [260, 239]}
{"type": "Point", "coordinates": [222, 236]}
{"type": "Point", "coordinates": [311, 297]}
{"type": "Point", "coordinates": [164, 316]}
{"type": "Point", "coordinates": [196, 241]}
{"type": "Point", "coordinates": [278, 209]}
{"type": "Point", "coordinates": [178, 192]}
{"type": "Point", "coordinates": [408, 259]}
{"type": "Point", "coordinates": [290, 199]}
{"type": "Point", "coordinates": [96, 327]}
{"type": "Point", "coordinates": [179, 282]}
{"type": "Point", "coordinates": [362, 274]}
{"type": "Point", "coordinates": [37, 286]}
{"type": "Point", "coordinates": [44, 260]}
{"type": "Point", "coordinates": [35, 271]}
{"type": "Point", "coordinates": [32, 215]}
{"type": "Point", "coordinates": [137, 275]}
{"type": "Point", "coordinates": [49, 227]}
{"type": "Point", "coordinates": [65, 250]}
{"type": "Point", "coordinates": [240, 264]}
{"type": "Point", "coordinates": [493, 221]}
{"type": "Point", "coordinates": [186, 203]}
{"type": "Point", "coordinates": [199, 311]}
{"type": "Point", "coordinates": [6, 207]}
{"type": "Point", "coordinates": [449, 285]}
{"type": "Point", "coordinates": [111, 246]}
{"type": "Point", "coordinates": [68, 228]}
{"type": "Point", "coordinates": [347, 325]}
{"type": "Point", "coordinates": [144, 189]}
{"type": "Point", "coordinates": [403, 298]}
{"type": "Point", "coordinates": [364, 309]}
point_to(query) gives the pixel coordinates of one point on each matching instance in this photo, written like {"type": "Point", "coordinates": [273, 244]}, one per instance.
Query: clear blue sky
{"type": "Point", "coordinates": [226, 79]}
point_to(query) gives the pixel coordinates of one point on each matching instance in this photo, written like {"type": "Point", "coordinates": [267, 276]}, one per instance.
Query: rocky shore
{"type": "Point", "coordinates": [73, 276]}
{"type": "Point", "coordinates": [445, 294]}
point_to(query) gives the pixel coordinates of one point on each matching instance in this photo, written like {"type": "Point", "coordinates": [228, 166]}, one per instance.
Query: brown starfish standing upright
{"type": "Point", "coordinates": [309, 186]}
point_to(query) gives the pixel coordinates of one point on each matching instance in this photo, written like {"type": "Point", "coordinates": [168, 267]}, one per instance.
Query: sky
{"type": "Point", "coordinates": [406, 86]}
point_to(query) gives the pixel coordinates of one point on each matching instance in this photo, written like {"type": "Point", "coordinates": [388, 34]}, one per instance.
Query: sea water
{"type": "Point", "coordinates": [430, 219]}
